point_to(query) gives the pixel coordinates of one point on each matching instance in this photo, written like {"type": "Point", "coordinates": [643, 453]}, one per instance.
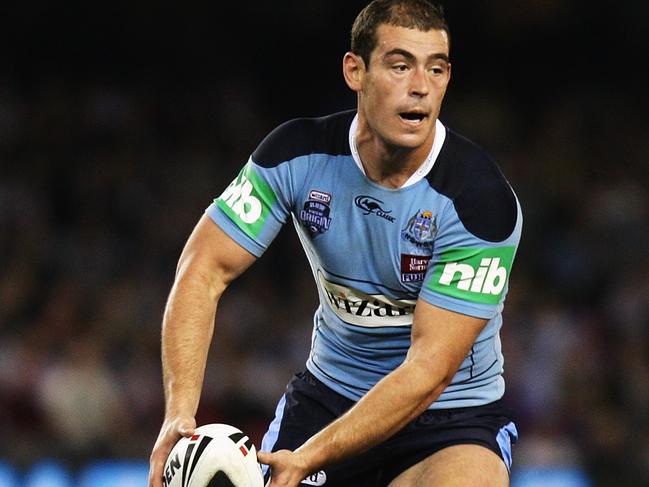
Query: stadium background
{"type": "Point", "coordinates": [119, 122]}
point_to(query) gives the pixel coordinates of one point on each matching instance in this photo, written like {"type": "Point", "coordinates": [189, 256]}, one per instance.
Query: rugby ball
{"type": "Point", "coordinates": [217, 455]}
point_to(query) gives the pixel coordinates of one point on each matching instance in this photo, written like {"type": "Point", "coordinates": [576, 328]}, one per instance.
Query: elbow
{"type": "Point", "coordinates": [196, 272]}
{"type": "Point", "coordinates": [437, 387]}
{"type": "Point", "coordinates": [446, 376]}
{"type": "Point", "coordinates": [435, 375]}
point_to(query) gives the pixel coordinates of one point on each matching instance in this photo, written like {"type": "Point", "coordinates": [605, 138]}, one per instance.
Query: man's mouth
{"type": "Point", "coordinates": [413, 117]}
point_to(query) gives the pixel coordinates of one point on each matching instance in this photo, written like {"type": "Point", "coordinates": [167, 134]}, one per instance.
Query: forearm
{"type": "Point", "coordinates": [188, 325]}
{"type": "Point", "coordinates": [209, 262]}
{"type": "Point", "coordinates": [396, 400]}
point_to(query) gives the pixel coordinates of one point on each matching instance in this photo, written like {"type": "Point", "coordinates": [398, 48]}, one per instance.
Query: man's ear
{"type": "Point", "coordinates": [353, 71]}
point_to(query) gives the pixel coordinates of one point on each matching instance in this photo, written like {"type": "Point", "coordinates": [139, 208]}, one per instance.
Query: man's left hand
{"type": "Point", "coordinates": [287, 468]}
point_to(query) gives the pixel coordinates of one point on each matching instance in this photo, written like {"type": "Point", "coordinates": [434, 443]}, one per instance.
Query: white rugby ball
{"type": "Point", "coordinates": [217, 455]}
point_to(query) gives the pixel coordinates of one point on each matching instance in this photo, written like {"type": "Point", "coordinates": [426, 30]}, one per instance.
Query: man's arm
{"type": "Point", "coordinates": [209, 262]}
{"type": "Point", "coordinates": [441, 339]}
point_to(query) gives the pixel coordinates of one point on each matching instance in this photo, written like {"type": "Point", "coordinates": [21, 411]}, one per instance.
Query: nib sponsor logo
{"type": "Point", "coordinates": [490, 277]}
{"type": "Point", "coordinates": [478, 275]}
{"type": "Point", "coordinates": [247, 201]}
{"type": "Point", "coordinates": [238, 196]}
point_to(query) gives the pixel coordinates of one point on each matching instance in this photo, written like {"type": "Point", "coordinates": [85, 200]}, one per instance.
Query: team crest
{"type": "Point", "coordinates": [421, 230]}
{"type": "Point", "coordinates": [315, 214]}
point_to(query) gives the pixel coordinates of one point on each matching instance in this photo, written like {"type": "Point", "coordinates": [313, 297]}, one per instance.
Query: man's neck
{"type": "Point", "coordinates": [386, 165]}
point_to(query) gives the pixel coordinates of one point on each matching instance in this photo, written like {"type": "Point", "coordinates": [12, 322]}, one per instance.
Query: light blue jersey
{"type": "Point", "coordinates": [448, 237]}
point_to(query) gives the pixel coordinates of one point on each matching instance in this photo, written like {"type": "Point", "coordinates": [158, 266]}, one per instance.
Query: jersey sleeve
{"type": "Point", "coordinates": [253, 208]}
{"type": "Point", "coordinates": [469, 274]}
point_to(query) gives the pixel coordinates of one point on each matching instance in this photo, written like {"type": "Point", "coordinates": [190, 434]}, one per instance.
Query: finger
{"type": "Point", "coordinates": [186, 431]}
{"type": "Point", "coordinates": [168, 437]}
{"type": "Point", "coordinates": [159, 457]}
{"type": "Point", "coordinates": [186, 427]}
{"type": "Point", "coordinates": [264, 457]}
{"type": "Point", "coordinates": [156, 462]}
{"type": "Point", "coordinates": [155, 474]}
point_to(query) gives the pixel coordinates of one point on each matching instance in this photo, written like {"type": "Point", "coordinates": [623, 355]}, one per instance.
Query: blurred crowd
{"type": "Point", "coordinates": [103, 177]}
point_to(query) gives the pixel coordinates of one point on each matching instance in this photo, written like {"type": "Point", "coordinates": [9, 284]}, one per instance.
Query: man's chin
{"type": "Point", "coordinates": [409, 140]}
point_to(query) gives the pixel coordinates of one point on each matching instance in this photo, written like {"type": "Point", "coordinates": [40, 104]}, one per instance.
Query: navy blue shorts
{"type": "Point", "coordinates": [308, 406]}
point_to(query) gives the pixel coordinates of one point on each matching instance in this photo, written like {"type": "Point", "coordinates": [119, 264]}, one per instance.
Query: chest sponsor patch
{"type": "Point", "coordinates": [368, 310]}
{"type": "Point", "coordinates": [413, 267]}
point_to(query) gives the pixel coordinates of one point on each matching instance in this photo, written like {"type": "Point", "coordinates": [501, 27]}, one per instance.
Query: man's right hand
{"type": "Point", "coordinates": [172, 430]}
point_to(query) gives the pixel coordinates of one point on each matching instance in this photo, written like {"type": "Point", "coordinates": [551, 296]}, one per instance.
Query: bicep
{"type": "Point", "coordinates": [212, 254]}
{"type": "Point", "coordinates": [442, 337]}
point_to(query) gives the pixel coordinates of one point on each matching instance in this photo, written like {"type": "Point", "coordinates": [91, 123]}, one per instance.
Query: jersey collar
{"type": "Point", "coordinates": [423, 170]}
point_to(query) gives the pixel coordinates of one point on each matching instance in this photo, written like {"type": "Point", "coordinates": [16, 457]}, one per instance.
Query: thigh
{"type": "Point", "coordinates": [459, 465]}
{"type": "Point", "coordinates": [454, 442]}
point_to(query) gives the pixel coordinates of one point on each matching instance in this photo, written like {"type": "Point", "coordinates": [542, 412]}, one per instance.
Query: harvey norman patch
{"type": "Point", "coordinates": [413, 267]}
{"type": "Point", "coordinates": [315, 214]}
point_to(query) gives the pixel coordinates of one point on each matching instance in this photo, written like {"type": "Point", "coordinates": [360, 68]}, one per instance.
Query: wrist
{"type": "Point", "coordinates": [180, 408]}
{"type": "Point", "coordinates": [310, 458]}
{"type": "Point", "coordinates": [178, 416]}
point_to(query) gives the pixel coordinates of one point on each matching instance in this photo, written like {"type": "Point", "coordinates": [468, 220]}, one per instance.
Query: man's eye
{"type": "Point", "coordinates": [400, 68]}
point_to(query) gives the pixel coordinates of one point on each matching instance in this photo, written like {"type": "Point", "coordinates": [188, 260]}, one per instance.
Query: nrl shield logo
{"type": "Point", "coordinates": [421, 230]}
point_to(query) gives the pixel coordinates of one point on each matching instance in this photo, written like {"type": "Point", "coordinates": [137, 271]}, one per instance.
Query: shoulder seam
{"type": "Point", "coordinates": [305, 136]}
{"type": "Point", "coordinates": [481, 195]}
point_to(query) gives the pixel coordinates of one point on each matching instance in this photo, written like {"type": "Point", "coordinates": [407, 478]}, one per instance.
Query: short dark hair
{"type": "Point", "coordinates": [413, 14]}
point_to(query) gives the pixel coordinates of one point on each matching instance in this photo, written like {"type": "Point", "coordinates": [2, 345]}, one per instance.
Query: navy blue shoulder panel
{"type": "Point", "coordinates": [302, 136]}
{"type": "Point", "coordinates": [480, 193]}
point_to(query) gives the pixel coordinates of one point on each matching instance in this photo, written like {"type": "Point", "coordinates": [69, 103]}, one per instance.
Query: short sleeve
{"type": "Point", "coordinates": [253, 208]}
{"type": "Point", "coordinates": [467, 274]}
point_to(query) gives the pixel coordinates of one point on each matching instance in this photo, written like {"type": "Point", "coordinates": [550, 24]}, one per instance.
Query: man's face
{"type": "Point", "coordinates": [403, 87]}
